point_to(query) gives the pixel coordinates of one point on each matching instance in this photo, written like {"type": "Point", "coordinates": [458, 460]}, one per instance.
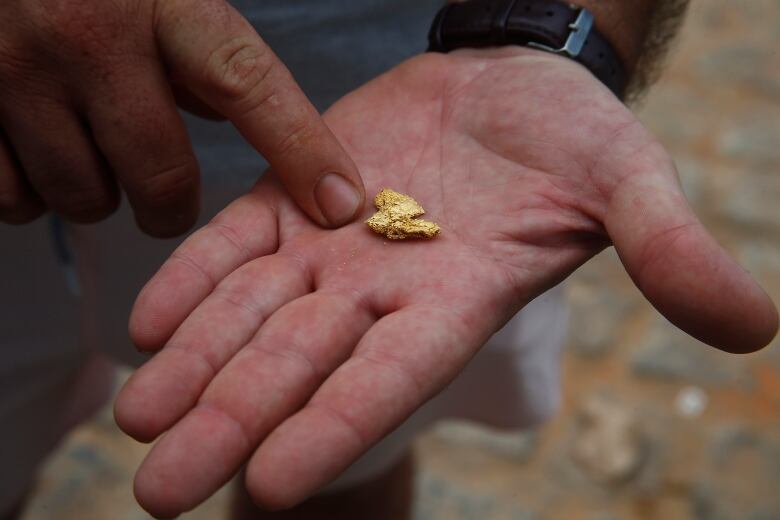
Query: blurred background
{"type": "Point", "coordinates": [654, 425]}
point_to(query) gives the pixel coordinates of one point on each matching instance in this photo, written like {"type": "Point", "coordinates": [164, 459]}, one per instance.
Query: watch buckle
{"type": "Point", "coordinates": [580, 30]}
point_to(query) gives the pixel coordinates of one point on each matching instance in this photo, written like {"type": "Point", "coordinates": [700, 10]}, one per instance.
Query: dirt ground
{"type": "Point", "coordinates": [654, 425]}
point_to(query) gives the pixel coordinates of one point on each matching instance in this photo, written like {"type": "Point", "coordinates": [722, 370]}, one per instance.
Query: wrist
{"type": "Point", "coordinates": [624, 23]}
{"type": "Point", "coordinates": [552, 26]}
{"type": "Point", "coordinates": [638, 34]}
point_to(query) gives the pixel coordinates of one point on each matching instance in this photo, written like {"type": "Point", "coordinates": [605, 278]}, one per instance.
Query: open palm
{"type": "Point", "coordinates": [298, 348]}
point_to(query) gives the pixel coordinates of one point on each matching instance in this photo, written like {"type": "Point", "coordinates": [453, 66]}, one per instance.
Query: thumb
{"type": "Point", "coordinates": [678, 265]}
{"type": "Point", "coordinates": [209, 47]}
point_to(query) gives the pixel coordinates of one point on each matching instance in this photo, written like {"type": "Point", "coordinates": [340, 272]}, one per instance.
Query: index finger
{"type": "Point", "coordinates": [213, 50]}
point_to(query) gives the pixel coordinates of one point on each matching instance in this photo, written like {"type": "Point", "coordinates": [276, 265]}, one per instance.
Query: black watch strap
{"type": "Point", "coordinates": [550, 25]}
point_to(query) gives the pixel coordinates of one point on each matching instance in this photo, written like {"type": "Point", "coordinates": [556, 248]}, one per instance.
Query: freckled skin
{"type": "Point", "coordinates": [89, 92]}
{"type": "Point", "coordinates": [296, 348]}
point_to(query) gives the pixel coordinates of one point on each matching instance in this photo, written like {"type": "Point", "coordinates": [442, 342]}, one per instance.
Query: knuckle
{"type": "Point", "coordinates": [14, 209]}
{"type": "Point", "coordinates": [232, 237]}
{"type": "Point", "coordinates": [80, 29]}
{"type": "Point", "coordinates": [76, 21]}
{"type": "Point", "coordinates": [10, 57]}
{"type": "Point", "coordinates": [17, 65]}
{"type": "Point", "coordinates": [167, 184]}
{"type": "Point", "coordinates": [63, 29]}
{"type": "Point", "coordinates": [239, 70]}
{"type": "Point", "coordinates": [72, 186]}
{"type": "Point", "coordinates": [88, 203]}
{"type": "Point", "coordinates": [238, 299]}
{"type": "Point", "coordinates": [294, 138]}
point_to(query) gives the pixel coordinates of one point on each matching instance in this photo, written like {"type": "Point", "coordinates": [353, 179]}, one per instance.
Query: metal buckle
{"type": "Point", "coordinates": [580, 30]}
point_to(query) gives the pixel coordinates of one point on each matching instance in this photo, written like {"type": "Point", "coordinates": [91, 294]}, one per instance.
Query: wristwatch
{"type": "Point", "coordinates": [548, 25]}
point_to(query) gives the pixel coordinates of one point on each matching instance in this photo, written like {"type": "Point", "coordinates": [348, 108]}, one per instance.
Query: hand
{"type": "Point", "coordinates": [299, 348]}
{"type": "Point", "coordinates": [88, 92]}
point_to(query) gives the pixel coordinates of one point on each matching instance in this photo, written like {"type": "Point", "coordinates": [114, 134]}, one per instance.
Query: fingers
{"type": "Point", "coordinates": [401, 362]}
{"type": "Point", "coordinates": [245, 230]}
{"type": "Point", "coordinates": [19, 204]}
{"type": "Point", "coordinates": [679, 266]}
{"type": "Point", "coordinates": [265, 382]}
{"type": "Point", "coordinates": [137, 127]}
{"type": "Point", "coordinates": [216, 52]}
{"type": "Point", "coordinates": [60, 161]}
{"type": "Point", "coordinates": [168, 386]}
{"type": "Point", "coordinates": [99, 61]}
{"type": "Point", "coordinates": [186, 100]}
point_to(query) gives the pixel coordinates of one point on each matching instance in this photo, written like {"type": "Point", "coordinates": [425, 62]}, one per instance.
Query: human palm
{"type": "Point", "coordinates": [298, 348]}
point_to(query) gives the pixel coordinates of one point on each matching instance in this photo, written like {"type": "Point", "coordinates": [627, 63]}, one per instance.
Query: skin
{"type": "Point", "coordinates": [641, 32]}
{"type": "Point", "coordinates": [88, 106]}
{"type": "Point", "coordinates": [625, 23]}
{"type": "Point", "coordinates": [293, 349]}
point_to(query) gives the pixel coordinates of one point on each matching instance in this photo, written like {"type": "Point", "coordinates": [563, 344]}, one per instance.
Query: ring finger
{"type": "Point", "coordinates": [19, 204]}
{"type": "Point", "coordinates": [61, 161]}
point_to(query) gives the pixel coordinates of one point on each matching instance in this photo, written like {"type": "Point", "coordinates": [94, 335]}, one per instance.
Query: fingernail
{"type": "Point", "coordinates": [337, 198]}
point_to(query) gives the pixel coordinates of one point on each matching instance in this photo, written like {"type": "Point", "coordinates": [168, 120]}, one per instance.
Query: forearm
{"type": "Point", "coordinates": [640, 31]}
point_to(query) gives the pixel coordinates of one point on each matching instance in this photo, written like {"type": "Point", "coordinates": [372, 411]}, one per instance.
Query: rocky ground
{"type": "Point", "coordinates": [654, 426]}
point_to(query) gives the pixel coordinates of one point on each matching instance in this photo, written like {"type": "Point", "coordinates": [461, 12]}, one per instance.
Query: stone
{"type": "Point", "coordinates": [754, 204]}
{"type": "Point", "coordinates": [742, 64]}
{"type": "Point", "coordinates": [443, 499]}
{"type": "Point", "coordinates": [740, 481]}
{"type": "Point", "coordinates": [517, 446]}
{"type": "Point", "coordinates": [608, 444]}
{"type": "Point", "coordinates": [604, 516]}
{"type": "Point", "coordinates": [753, 138]}
{"type": "Point", "coordinates": [772, 353]}
{"type": "Point", "coordinates": [668, 354]}
{"type": "Point", "coordinates": [692, 177]}
{"type": "Point", "coordinates": [759, 255]}
{"type": "Point", "coordinates": [676, 133]}
{"type": "Point", "coordinates": [691, 402]}
{"type": "Point", "coordinates": [728, 440]}
{"type": "Point", "coordinates": [597, 316]}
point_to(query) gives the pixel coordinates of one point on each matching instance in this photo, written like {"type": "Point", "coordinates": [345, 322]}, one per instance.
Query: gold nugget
{"type": "Point", "coordinates": [396, 218]}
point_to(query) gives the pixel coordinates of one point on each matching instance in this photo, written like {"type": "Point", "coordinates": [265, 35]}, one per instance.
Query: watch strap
{"type": "Point", "coordinates": [549, 25]}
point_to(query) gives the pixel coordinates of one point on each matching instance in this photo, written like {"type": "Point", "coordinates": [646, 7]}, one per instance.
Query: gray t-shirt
{"type": "Point", "coordinates": [332, 47]}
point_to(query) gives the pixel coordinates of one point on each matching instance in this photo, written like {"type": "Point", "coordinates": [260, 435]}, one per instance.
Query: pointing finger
{"type": "Point", "coordinates": [213, 50]}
